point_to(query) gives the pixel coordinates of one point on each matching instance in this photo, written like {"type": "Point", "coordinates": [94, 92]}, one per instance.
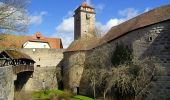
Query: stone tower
{"type": "Point", "coordinates": [84, 22]}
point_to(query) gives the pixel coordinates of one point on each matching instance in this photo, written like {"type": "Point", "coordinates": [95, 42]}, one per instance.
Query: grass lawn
{"type": "Point", "coordinates": [44, 95]}
{"type": "Point", "coordinates": [80, 97]}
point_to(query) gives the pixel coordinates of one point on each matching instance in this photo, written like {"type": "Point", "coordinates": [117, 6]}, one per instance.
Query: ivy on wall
{"type": "Point", "coordinates": [122, 55]}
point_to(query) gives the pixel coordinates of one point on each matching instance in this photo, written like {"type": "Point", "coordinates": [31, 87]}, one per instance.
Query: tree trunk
{"type": "Point", "coordinates": [94, 89]}
{"type": "Point", "coordinates": [104, 95]}
{"type": "Point", "coordinates": [94, 92]}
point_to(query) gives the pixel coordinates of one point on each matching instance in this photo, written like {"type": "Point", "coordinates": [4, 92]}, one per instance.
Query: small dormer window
{"type": "Point", "coordinates": [38, 38]}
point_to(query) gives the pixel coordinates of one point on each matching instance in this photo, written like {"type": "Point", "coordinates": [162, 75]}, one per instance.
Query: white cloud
{"type": "Point", "coordinates": [70, 13]}
{"type": "Point", "coordinates": [98, 7]}
{"type": "Point", "coordinates": [147, 9]}
{"type": "Point", "coordinates": [66, 38]}
{"type": "Point", "coordinates": [128, 13]}
{"type": "Point", "coordinates": [37, 18]}
{"type": "Point", "coordinates": [65, 30]}
{"type": "Point", "coordinates": [66, 26]}
{"type": "Point", "coordinates": [103, 28]}
{"type": "Point", "coordinates": [124, 15]}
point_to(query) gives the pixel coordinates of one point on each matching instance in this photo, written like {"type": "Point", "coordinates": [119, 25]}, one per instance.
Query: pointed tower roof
{"type": "Point", "coordinates": [85, 5]}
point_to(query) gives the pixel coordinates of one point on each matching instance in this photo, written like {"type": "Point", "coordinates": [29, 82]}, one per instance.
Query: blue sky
{"type": "Point", "coordinates": [53, 18]}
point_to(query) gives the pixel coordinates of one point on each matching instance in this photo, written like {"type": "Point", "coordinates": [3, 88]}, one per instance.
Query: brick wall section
{"type": "Point", "coordinates": [6, 83]}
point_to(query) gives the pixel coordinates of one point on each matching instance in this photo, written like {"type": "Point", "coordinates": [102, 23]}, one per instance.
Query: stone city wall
{"type": "Point", "coordinates": [73, 66]}
{"type": "Point", "coordinates": [42, 79]}
{"type": "Point", "coordinates": [44, 75]}
{"type": "Point", "coordinates": [6, 83]}
{"type": "Point", "coordinates": [152, 41]}
{"type": "Point", "coordinates": [44, 57]}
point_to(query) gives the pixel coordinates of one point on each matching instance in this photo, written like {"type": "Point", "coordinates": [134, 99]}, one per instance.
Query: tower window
{"type": "Point", "coordinates": [150, 39]}
{"type": "Point", "coordinates": [87, 16]}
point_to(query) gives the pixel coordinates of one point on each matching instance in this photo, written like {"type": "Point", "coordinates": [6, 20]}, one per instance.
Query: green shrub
{"type": "Point", "coordinates": [122, 55]}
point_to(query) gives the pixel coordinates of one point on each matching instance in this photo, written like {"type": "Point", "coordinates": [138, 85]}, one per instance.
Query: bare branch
{"type": "Point", "coordinates": [13, 15]}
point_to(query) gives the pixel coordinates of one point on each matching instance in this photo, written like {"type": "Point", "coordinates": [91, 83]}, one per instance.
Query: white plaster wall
{"type": "Point", "coordinates": [36, 45]}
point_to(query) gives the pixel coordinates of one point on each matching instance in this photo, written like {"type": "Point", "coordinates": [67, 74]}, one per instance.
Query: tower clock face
{"type": "Point", "coordinates": [87, 16]}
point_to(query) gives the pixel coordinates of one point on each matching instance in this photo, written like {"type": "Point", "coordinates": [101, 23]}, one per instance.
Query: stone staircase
{"type": "Point", "coordinates": [159, 89]}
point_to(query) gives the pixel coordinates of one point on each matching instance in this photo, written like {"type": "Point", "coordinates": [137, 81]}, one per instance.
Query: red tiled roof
{"type": "Point", "coordinates": [83, 44]}
{"type": "Point", "coordinates": [154, 16]}
{"type": "Point", "coordinates": [55, 42]}
{"type": "Point", "coordinates": [14, 41]}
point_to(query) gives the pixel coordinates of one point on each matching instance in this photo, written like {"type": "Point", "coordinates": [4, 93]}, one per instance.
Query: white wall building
{"type": "Point", "coordinates": [36, 44]}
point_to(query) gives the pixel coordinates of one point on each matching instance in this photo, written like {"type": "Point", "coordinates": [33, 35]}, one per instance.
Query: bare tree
{"type": "Point", "coordinates": [96, 71]}
{"type": "Point", "coordinates": [98, 32]}
{"type": "Point", "coordinates": [131, 79]}
{"type": "Point", "coordinates": [13, 15]}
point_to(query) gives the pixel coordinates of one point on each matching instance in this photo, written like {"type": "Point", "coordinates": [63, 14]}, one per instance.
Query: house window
{"type": "Point", "coordinates": [38, 66]}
